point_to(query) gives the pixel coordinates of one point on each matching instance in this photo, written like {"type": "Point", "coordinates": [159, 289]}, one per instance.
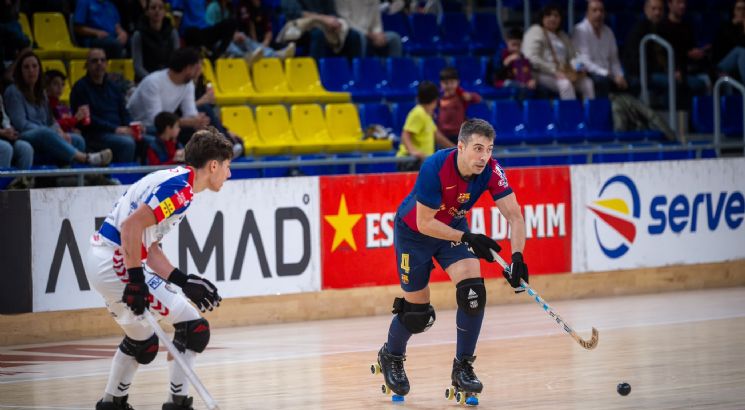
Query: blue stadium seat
{"type": "Point", "coordinates": [431, 67]}
{"type": "Point", "coordinates": [570, 121]}
{"type": "Point", "coordinates": [403, 79]}
{"type": "Point", "coordinates": [337, 76]}
{"type": "Point", "coordinates": [378, 168]}
{"type": "Point", "coordinates": [702, 115]}
{"type": "Point", "coordinates": [375, 113]}
{"type": "Point", "coordinates": [400, 111]}
{"type": "Point", "coordinates": [526, 161]}
{"type": "Point", "coordinates": [455, 34]}
{"type": "Point", "coordinates": [472, 74]}
{"type": "Point", "coordinates": [508, 122]}
{"type": "Point", "coordinates": [675, 155]}
{"type": "Point", "coordinates": [244, 173]}
{"type": "Point", "coordinates": [398, 23]}
{"type": "Point", "coordinates": [539, 122]}
{"type": "Point", "coordinates": [369, 78]}
{"type": "Point", "coordinates": [313, 170]}
{"type": "Point", "coordinates": [424, 36]}
{"type": "Point", "coordinates": [602, 157]}
{"type": "Point", "coordinates": [732, 115]}
{"type": "Point", "coordinates": [276, 172]}
{"type": "Point", "coordinates": [480, 110]}
{"type": "Point", "coordinates": [598, 120]}
{"type": "Point", "coordinates": [486, 37]}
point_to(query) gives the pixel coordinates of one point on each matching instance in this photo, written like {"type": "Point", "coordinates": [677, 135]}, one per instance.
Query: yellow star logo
{"type": "Point", "coordinates": [343, 222]}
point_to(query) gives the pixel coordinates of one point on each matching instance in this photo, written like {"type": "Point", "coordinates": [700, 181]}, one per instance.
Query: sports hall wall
{"type": "Point", "coordinates": [322, 247]}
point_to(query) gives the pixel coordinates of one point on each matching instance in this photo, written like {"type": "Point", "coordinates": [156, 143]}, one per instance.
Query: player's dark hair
{"type": "Point", "coordinates": [427, 92]}
{"type": "Point", "coordinates": [50, 75]}
{"type": "Point", "coordinates": [515, 33]}
{"type": "Point", "coordinates": [448, 73]}
{"type": "Point", "coordinates": [182, 58]}
{"type": "Point", "coordinates": [475, 126]}
{"type": "Point", "coordinates": [164, 120]}
{"type": "Point", "coordinates": [207, 145]}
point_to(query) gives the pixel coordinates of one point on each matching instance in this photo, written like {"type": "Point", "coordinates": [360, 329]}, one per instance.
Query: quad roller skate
{"type": "Point", "coordinates": [466, 386]}
{"type": "Point", "coordinates": [394, 376]}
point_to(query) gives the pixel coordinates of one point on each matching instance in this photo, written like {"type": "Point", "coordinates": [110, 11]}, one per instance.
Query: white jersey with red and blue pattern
{"type": "Point", "coordinates": [440, 186]}
{"type": "Point", "coordinates": [168, 193]}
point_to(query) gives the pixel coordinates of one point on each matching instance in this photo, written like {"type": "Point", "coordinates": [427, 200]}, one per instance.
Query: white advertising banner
{"type": "Point", "coordinates": [254, 237]}
{"type": "Point", "coordinates": [633, 215]}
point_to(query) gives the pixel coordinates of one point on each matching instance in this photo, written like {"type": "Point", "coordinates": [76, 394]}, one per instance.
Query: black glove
{"type": "Point", "coordinates": [136, 293]}
{"type": "Point", "coordinates": [518, 270]}
{"type": "Point", "coordinates": [198, 289]}
{"type": "Point", "coordinates": [481, 245]}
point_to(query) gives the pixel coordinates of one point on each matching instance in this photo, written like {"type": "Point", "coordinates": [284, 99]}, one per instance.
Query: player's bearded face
{"type": "Point", "coordinates": [219, 173]}
{"type": "Point", "coordinates": [477, 153]}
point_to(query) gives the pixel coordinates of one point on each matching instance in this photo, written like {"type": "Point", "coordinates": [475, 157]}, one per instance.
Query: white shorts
{"type": "Point", "coordinates": [106, 273]}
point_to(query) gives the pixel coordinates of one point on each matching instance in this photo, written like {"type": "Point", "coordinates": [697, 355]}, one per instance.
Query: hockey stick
{"type": "Point", "coordinates": [589, 345]}
{"type": "Point", "coordinates": [193, 378]}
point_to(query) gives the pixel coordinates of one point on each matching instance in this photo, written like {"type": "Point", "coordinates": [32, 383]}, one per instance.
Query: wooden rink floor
{"type": "Point", "coordinates": [677, 350]}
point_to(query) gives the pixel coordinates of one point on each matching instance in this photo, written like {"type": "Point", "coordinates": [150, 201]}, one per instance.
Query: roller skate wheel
{"type": "Point", "coordinates": [385, 389]}
{"type": "Point", "coordinates": [397, 398]}
{"type": "Point", "coordinates": [460, 397]}
{"type": "Point", "coordinates": [375, 368]}
{"type": "Point", "coordinates": [449, 393]}
{"type": "Point", "coordinates": [472, 401]}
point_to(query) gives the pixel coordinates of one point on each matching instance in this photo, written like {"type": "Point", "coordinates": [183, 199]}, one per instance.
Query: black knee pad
{"type": "Point", "coordinates": [471, 295]}
{"type": "Point", "coordinates": [144, 351]}
{"type": "Point", "coordinates": [415, 317]}
{"type": "Point", "coordinates": [193, 335]}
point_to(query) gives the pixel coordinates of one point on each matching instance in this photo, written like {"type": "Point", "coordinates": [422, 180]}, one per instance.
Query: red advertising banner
{"type": "Point", "coordinates": [357, 213]}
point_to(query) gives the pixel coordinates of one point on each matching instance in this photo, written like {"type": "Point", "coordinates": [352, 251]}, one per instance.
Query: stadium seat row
{"type": "Point", "coordinates": [702, 115]}
{"type": "Point", "coordinates": [52, 36]}
{"type": "Point", "coordinates": [308, 131]}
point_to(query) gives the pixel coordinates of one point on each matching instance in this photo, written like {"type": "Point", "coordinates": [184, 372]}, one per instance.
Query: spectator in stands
{"type": "Point", "coordinates": [154, 41]}
{"type": "Point", "coordinates": [729, 46]}
{"type": "Point", "coordinates": [28, 108]}
{"type": "Point", "coordinates": [453, 104]}
{"type": "Point", "coordinates": [170, 90]}
{"type": "Point", "coordinates": [109, 120]}
{"type": "Point", "coordinates": [690, 61]}
{"type": "Point", "coordinates": [364, 17]}
{"type": "Point", "coordinates": [55, 84]}
{"type": "Point", "coordinates": [13, 150]}
{"type": "Point", "coordinates": [596, 46]}
{"type": "Point", "coordinates": [12, 39]}
{"type": "Point", "coordinates": [553, 57]}
{"type": "Point", "coordinates": [245, 41]}
{"type": "Point", "coordinates": [655, 55]}
{"type": "Point", "coordinates": [97, 24]}
{"type": "Point", "coordinates": [516, 71]}
{"type": "Point", "coordinates": [204, 95]}
{"type": "Point", "coordinates": [321, 28]}
{"type": "Point", "coordinates": [191, 20]}
{"type": "Point", "coordinates": [420, 132]}
{"type": "Point", "coordinates": [165, 149]}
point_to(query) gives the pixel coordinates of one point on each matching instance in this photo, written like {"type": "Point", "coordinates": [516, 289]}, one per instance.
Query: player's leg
{"type": "Point", "coordinates": [470, 293]}
{"type": "Point", "coordinates": [191, 337]}
{"type": "Point", "coordinates": [106, 272]}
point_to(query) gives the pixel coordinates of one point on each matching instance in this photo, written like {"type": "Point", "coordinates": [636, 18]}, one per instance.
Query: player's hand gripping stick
{"type": "Point", "coordinates": [589, 345]}
{"type": "Point", "coordinates": [136, 294]}
{"type": "Point", "coordinates": [482, 245]}
{"type": "Point", "coordinates": [198, 289]}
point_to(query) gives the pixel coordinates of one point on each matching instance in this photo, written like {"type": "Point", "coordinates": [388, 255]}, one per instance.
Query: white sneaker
{"type": "Point", "coordinates": [100, 158]}
{"type": "Point", "coordinates": [287, 52]}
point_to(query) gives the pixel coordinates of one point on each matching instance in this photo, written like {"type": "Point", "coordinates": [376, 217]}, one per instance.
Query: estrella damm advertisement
{"type": "Point", "coordinates": [658, 213]}
{"type": "Point", "coordinates": [358, 212]}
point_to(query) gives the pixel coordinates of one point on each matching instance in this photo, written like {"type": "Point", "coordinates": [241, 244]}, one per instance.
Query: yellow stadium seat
{"type": "Point", "coordinates": [269, 78]}
{"type": "Point", "coordinates": [123, 66]}
{"type": "Point", "coordinates": [58, 65]}
{"type": "Point", "coordinates": [240, 120]}
{"type": "Point", "coordinates": [235, 83]}
{"type": "Point", "coordinates": [309, 125]}
{"type": "Point", "coordinates": [50, 33]}
{"type": "Point", "coordinates": [277, 135]}
{"type": "Point", "coordinates": [26, 28]}
{"type": "Point", "coordinates": [77, 70]}
{"type": "Point", "coordinates": [302, 78]}
{"type": "Point", "coordinates": [343, 123]}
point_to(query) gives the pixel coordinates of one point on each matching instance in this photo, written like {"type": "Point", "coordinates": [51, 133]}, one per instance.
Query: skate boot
{"type": "Point", "coordinates": [466, 386]}
{"type": "Point", "coordinates": [119, 403]}
{"type": "Point", "coordinates": [179, 403]}
{"type": "Point", "coordinates": [394, 376]}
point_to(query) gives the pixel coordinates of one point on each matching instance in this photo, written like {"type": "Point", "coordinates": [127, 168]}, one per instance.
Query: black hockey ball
{"type": "Point", "coordinates": [623, 389]}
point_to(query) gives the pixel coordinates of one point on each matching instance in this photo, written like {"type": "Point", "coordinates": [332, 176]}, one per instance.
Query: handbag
{"type": "Point", "coordinates": [565, 68]}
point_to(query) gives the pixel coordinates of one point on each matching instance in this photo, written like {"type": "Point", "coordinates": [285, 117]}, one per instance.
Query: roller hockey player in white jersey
{"type": "Point", "coordinates": [128, 268]}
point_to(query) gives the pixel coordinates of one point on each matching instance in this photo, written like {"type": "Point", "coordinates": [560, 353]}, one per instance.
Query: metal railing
{"type": "Point", "coordinates": [670, 75]}
{"type": "Point", "coordinates": [717, 112]}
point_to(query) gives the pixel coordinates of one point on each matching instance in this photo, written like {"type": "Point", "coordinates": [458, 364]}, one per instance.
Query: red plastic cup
{"type": "Point", "coordinates": [136, 127]}
{"type": "Point", "coordinates": [87, 118]}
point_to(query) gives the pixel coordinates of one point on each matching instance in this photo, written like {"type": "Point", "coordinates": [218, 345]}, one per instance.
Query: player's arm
{"type": "Point", "coordinates": [136, 293]}
{"type": "Point", "coordinates": [509, 207]}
